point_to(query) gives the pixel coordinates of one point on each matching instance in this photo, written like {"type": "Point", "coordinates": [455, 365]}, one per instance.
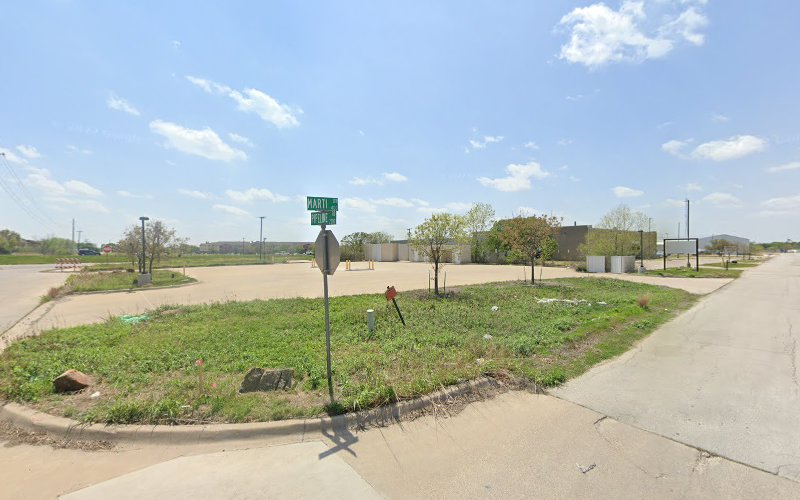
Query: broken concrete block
{"type": "Point", "coordinates": [71, 381]}
{"type": "Point", "coordinates": [258, 379]}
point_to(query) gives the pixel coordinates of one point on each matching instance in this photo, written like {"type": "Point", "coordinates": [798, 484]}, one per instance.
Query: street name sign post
{"type": "Point", "coordinates": [327, 256]}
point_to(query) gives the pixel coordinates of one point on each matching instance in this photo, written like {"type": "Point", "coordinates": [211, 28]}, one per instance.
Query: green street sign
{"type": "Point", "coordinates": [320, 218]}
{"type": "Point", "coordinates": [318, 203]}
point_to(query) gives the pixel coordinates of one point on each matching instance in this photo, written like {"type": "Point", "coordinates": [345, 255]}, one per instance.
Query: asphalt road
{"type": "Point", "coordinates": [722, 377]}
{"type": "Point", "coordinates": [20, 289]}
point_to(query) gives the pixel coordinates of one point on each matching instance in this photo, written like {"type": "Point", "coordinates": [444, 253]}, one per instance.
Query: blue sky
{"type": "Point", "coordinates": [207, 116]}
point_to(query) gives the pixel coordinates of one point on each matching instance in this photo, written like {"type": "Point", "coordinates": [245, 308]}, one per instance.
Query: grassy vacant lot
{"type": "Point", "coordinates": [147, 372]}
{"type": "Point", "coordinates": [117, 261]}
{"type": "Point", "coordinates": [689, 272]}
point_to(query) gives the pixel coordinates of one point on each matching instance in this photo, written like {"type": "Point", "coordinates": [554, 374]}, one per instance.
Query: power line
{"type": "Point", "coordinates": [23, 204]}
{"type": "Point", "coordinates": [24, 189]}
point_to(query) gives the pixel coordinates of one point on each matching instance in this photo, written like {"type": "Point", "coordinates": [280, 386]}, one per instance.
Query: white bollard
{"type": "Point", "coordinates": [371, 319]}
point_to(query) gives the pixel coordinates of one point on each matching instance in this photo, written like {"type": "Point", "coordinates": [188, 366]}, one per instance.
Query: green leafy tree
{"type": "Point", "coordinates": [9, 241]}
{"type": "Point", "coordinates": [528, 236]}
{"type": "Point", "coordinates": [433, 236]}
{"type": "Point", "coordinates": [379, 237]}
{"type": "Point", "coordinates": [478, 220]}
{"type": "Point", "coordinates": [56, 246]}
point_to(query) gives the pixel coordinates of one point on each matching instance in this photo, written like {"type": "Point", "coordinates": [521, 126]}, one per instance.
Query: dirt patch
{"type": "Point", "coordinates": [12, 435]}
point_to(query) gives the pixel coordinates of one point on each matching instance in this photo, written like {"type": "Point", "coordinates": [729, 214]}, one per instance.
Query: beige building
{"type": "Point", "coordinates": [402, 251]}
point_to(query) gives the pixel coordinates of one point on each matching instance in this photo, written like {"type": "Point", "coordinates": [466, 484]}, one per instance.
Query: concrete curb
{"type": "Point", "coordinates": [65, 428]}
{"type": "Point", "coordinates": [134, 290]}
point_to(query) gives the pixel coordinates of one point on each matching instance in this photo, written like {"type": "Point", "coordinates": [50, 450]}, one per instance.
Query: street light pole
{"type": "Point", "coordinates": [261, 240]}
{"type": "Point", "coordinates": [78, 246]}
{"type": "Point", "coordinates": [142, 265]}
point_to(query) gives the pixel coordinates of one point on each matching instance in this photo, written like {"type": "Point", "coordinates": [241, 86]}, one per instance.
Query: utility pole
{"type": "Point", "coordinates": [242, 246]}
{"type": "Point", "coordinates": [79, 240]}
{"type": "Point", "coordinates": [261, 240]}
{"type": "Point", "coordinates": [73, 231]}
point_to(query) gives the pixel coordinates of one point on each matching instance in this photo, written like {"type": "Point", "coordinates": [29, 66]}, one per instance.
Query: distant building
{"type": "Point", "coordinates": [742, 244]}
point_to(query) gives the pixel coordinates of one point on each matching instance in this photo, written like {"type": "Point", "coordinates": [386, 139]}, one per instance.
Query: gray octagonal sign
{"type": "Point", "coordinates": [332, 251]}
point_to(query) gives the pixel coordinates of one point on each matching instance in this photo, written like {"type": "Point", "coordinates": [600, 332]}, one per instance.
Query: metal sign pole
{"type": "Point", "coordinates": [327, 311]}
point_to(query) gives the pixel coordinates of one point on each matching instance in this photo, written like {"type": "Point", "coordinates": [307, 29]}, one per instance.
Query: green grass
{"type": "Point", "coordinates": [147, 372]}
{"type": "Point", "coordinates": [120, 280]}
{"type": "Point", "coordinates": [51, 259]}
{"type": "Point", "coordinates": [686, 272]}
{"type": "Point", "coordinates": [116, 261]}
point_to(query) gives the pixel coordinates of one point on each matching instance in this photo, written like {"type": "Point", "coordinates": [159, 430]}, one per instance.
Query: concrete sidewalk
{"type": "Point", "coordinates": [517, 445]}
{"type": "Point", "coordinates": [722, 376]}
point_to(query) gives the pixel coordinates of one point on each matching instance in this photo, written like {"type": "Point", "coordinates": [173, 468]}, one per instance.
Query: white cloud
{"type": "Point", "coordinates": [29, 152]}
{"type": "Point", "coordinates": [564, 142]}
{"type": "Point", "coordinates": [719, 118]}
{"type": "Point", "coordinates": [358, 204]}
{"type": "Point", "coordinates": [240, 139]}
{"type": "Point", "coordinates": [176, 44]}
{"type": "Point", "coordinates": [675, 147]}
{"type": "Point", "coordinates": [256, 194]}
{"type": "Point", "coordinates": [730, 149]}
{"type": "Point", "coordinates": [574, 179]}
{"type": "Point", "coordinates": [519, 177]}
{"type": "Point", "coordinates": [671, 202]}
{"type": "Point", "coordinates": [487, 139]}
{"type": "Point", "coordinates": [76, 149]}
{"type": "Point", "coordinates": [90, 205]}
{"type": "Point", "coordinates": [205, 143]}
{"type": "Point", "coordinates": [626, 192]}
{"type": "Point", "coordinates": [692, 186]}
{"type": "Point", "coordinates": [576, 97]}
{"type": "Point", "coordinates": [252, 100]}
{"type": "Point", "coordinates": [12, 156]}
{"type": "Point", "coordinates": [530, 145]}
{"type": "Point", "coordinates": [386, 177]}
{"type": "Point", "coordinates": [120, 104]}
{"type": "Point", "coordinates": [601, 35]}
{"type": "Point", "coordinates": [722, 199]}
{"type": "Point", "coordinates": [688, 26]}
{"type": "Point", "coordinates": [128, 194]}
{"type": "Point", "coordinates": [73, 192]}
{"type": "Point", "coordinates": [394, 177]}
{"type": "Point", "coordinates": [394, 202]}
{"type": "Point", "coordinates": [782, 203]}
{"type": "Point", "coordinates": [231, 210]}
{"type": "Point", "coordinates": [192, 193]}
{"type": "Point", "coordinates": [794, 165]}
{"type": "Point", "coordinates": [82, 189]}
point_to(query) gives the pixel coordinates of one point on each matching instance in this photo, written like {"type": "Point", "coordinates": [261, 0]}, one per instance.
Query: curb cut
{"type": "Point", "coordinates": [69, 429]}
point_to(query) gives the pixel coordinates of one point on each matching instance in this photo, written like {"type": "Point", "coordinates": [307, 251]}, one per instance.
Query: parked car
{"type": "Point", "coordinates": [88, 251]}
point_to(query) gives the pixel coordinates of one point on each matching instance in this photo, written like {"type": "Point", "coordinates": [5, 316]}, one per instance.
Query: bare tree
{"type": "Point", "coordinates": [160, 241]}
{"type": "Point", "coordinates": [432, 237]}
{"type": "Point", "coordinates": [478, 220]}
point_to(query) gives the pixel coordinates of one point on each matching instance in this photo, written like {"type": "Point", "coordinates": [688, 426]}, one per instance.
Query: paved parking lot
{"type": "Point", "coordinates": [234, 283]}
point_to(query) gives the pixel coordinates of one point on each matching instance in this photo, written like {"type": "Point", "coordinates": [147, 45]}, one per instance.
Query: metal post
{"type": "Point", "coordinates": [664, 252]}
{"type": "Point", "coordinates": [688, 257]}
{"type": "Point", "coordinates": [143, 265]}
{"type": "Point", "coordinates": [641, 248]}
{"type": "Point", "coordinates": [327, 311]}
{"type": "Point", "coordinates": [261, 240]}
{"type": "Point", "coordinates": [697, 254]}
